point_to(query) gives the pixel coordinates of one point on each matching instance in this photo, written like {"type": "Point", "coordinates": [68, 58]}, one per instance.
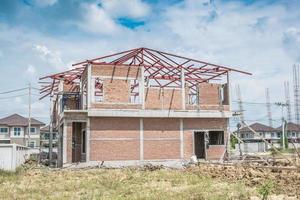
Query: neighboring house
{"type": "Point", "coordinates": [138, 106]}
{"type": "Point", "coordinates": [14, 129]}
{"type": "Point", "coordinates": [45, 138]}
{"type": "Point", "coordinates": [270, 134]}
{"type": "Point", "coordinates": [293, 132]}
{"type": "Point", "coordinates": [254, 143]}
{"type": "Point", "coordinates": [264, 131]}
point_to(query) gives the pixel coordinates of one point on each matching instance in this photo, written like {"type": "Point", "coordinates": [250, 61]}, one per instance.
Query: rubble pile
{"type": "Point", "coordinates": [285, 181]}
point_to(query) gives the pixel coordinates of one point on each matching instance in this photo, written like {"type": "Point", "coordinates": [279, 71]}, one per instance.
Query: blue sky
{"type": "Point", "coordinates": [38, 37]}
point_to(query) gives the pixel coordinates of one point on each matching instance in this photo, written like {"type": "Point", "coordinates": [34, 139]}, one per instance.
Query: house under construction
{"type": "Point", "coordinates": [140, 105]}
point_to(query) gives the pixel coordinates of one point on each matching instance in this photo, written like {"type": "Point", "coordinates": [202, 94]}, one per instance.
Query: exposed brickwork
{"type": "Point", "coordinates": [167, 99]}
{"type": "Point", "coordinates": [117, 71]}
{"type": "Point", "coordinates": [120, 139]}
{"type": "Point", "coordinates": [161, 149]}
{"type": "Point", "coordinates": [215, 152]}
{"type": "Point", "coordinates": [205, 123]}
{"type": "Point", "coordinates": [161, 128]}
{"type": "Point", "coordinates": [114, 128]}
{"type": "Point", "coordinates": [191, 125]}
{"type": "Point", "coordinates": [153, 98]}
{"type": "Point", "coordinates": [116, 106]}
{"type": "Point", "coordinates": [188, 144]}
{"type": "Point", "coordinates": [209, 93]}
{"type": "Point", "coordinates": [172, 99]}
{"type": "Point", "coordinates": [115, 150]}
{"type": "Point", "coordinates": [116, 91]}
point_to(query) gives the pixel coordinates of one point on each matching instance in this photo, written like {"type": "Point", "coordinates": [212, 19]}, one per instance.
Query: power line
{"type": "Point", "coordinates": [21, 95]}
{"type": "Point", "coordinates": [11, 91]}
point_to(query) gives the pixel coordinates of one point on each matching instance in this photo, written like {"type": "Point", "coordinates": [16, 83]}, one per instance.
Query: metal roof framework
{"type": "Point", "coordinates": [162, 69]}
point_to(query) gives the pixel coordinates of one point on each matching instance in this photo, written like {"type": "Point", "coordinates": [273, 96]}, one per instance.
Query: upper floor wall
{"type": "Point", "coordinates": [124, 87]}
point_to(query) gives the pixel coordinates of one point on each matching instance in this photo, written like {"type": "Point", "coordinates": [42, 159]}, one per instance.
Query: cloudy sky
{"type": "Point", "coordinates": [38, 37]}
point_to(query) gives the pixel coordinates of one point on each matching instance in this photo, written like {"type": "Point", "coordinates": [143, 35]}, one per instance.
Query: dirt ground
{"type": "Point", "coordinates": [284, 181]}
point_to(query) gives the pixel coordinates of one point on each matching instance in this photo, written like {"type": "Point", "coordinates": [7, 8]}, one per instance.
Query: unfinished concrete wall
{"type": "Point", "coordinates": [114, 139]}
{"type": "Point", "coordinates": [161, 138]}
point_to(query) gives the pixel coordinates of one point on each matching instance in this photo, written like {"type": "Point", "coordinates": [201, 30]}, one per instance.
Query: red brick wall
{"type": "Point", "coordinates": [114, 139]}
{"type": "Point", "coordinates": [161, 149]}
{"type": "Point", "coordinates": [118, 138]}
{"type": "Point", "coordinates": [116, 91]}
{"type": "Point", "coordinates": [209, 98]}
{"type": "Point", "coordinates": [191, 125]}
{"type": "Point", "coordinates": [116, 106]}
{"type": "Point", "coordinates": [153, 98]}
{"type": "Point", "coordinates": [167, 99]}
{"type": "Point", "coordinates": [168, 133]}
{"type": "Point", "coordinates": [215, 152]}
{"type": "Point", "coordinates": [115, 150]}
{"type": "Point", "coordinates": [209, 93]}
{"type": "Point", "coordinates": [118, 71]}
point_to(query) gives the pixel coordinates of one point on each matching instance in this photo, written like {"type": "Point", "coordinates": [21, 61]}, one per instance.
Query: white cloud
{"type": "Point", "coordinates": [31, 71]}
{"type": "Point", "coordinates": [96, 20]}
{"type": "Point", "coordinates": [44, 3]}
{"type": "Point", "coordinates": [263, 40]}
{"type": "Point", "coordinates": [102, 18]}
{"type": "Point", "coordinates": [291, 42]}
{"type": "Point", "coordinates": [125, 8]}
{"type": "Point", "coordinates": [52, 57]}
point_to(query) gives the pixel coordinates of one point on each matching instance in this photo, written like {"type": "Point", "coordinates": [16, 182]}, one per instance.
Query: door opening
{"type": "Point", "coordinates": [199, 144]}
{"type": "Point", "coordinates": [83, 145]}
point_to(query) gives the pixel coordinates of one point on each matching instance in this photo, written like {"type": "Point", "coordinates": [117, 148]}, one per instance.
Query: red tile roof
{"type": "Point", "coordinates": [18, 120]}
{"type": "Point", "coordinates": [258, 127]}
{"type": "Point", "coordinates": [290, 127]}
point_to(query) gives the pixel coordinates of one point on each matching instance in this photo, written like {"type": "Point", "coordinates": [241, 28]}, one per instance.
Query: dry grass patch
{"type": "Point", "coordinates": [118, 184]}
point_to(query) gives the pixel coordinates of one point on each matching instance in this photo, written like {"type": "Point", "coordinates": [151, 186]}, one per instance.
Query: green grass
{"type": "Point", "coordinates": [117, 184]}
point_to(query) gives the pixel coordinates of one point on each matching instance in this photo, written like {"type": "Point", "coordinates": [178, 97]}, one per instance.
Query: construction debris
{"type": "Point", "coordinates": [285, 180]}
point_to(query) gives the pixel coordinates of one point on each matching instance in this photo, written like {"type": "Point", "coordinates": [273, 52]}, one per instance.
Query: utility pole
{"type": "Point", "coordinates": [282, 105]}
{"type": "Point", "coordinates": [29, 114]}
{"type": "Point", "coordinates": [238, 135]}
{"type": "Point", "coordinates": [269, 107]}
{"type": "Point", "coordinates": [239, 97]}
{"type": "Point", "coordinates": [51, 132]}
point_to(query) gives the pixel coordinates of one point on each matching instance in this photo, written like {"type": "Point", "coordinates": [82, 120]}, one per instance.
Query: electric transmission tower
{"type": "Point", "coordinates": [288, 101]}
{"type": "Point", "coordinates": [296, 92]}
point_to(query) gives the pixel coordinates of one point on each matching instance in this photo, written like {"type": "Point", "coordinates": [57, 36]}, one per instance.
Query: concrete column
{"type": "Point", "coordinates": [142, 87]}
{"type": "Point", "coordinates": [89, 85]}
{"type": "Point", "coordinates": [182, 77]}
{"type": "Point", "coordinates": [181, 139]}
{"type": "Point", "coordinates": [88, 142]}
{"type": "Point", "coordinates": [141, 139]}
{"type": "Point", "coordinates": [65, 142]}
{"type": "Point", "coordinates": [228, 89]}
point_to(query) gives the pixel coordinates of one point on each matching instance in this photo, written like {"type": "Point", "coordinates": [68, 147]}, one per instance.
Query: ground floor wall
{"type": "Point", "coordinates": [120, 139]}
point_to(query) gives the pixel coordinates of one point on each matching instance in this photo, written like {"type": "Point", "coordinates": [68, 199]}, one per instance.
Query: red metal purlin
{"type": "Point", "coordinates": [158, 66]}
